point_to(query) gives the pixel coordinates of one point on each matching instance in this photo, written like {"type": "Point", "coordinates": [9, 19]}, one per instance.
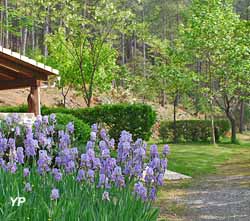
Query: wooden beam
{"type": "Point", "coordinates": [4, 76]}
{"type": "Point", "coordinates": [16, 66]}
{"type": "Point", "coordinates": [15, 84]}
{"type": "Point", "coordinates": [12, 73]}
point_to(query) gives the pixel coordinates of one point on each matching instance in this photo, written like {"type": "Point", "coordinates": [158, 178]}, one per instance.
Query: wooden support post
{"type": "Point", "coordinates": [34, 99]}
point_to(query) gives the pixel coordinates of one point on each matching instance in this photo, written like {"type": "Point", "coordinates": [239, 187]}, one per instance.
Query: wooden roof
{"type": "Point", "coordinates": [18, 71]}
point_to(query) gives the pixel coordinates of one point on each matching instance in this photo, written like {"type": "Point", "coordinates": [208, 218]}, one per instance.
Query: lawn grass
{"type": "Point", "coordinates": [198, 159]}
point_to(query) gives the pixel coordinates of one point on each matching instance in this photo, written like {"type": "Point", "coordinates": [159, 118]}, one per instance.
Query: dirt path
{"type": "Point", "coordinates": [224, 196]}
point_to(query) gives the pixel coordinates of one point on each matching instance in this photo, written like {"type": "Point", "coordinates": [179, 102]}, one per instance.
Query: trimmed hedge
{"type": "Point", "coordinates": [82, 130]}
{"type": "Point", "coordinates": [192, 130]}
{"type": "Point", "coordinates": [138, 119]}
{"type": "Point", "coordinates": [15, 109]}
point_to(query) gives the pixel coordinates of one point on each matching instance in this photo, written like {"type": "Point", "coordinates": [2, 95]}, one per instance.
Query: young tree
{"type": "Point", "coordinates": [215, 35]}
{"type": "Point", "coordinates": [60, 58]}
{"type": "Point", "coordinates": [88, 41]}
{"type": "Point", "coordinates": [172, 75]}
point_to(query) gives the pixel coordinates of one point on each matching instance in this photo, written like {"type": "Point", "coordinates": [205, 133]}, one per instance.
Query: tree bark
{"type": "Point", "coordinates": [162, 98]}
{"type": "Point", "coordinates": [174, 124]}
{"type": "Point", "coordinates": [46, 32]}
{"type": "Point", "coordinates": [33, 37]}
{"type": "Point", "coordinates": [242, 112]}
{"type": "Point", "coordinates": [123, 49]}
{"type": "Point", "coordinates": [24, 41]}
{"type": "Point", "coordinates": [1, 26]}
{"type": "Point", "coordinates": [213, 139]}
{"type": "Point", "coordinates": [7, 24]}
{"type": "Point", "coordinates": [64, 94]}
{"type": "Point", "coordinates": [233, 126]}
{"type": "Point", "coordinates": [213, 129]}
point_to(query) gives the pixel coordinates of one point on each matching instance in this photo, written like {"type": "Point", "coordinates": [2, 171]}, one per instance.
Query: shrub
{"type": "Point", "coordinates": [138, 119]}
{"type": "Point", "coordinates": [82, 130]}
{"type": "Point", "coordinates": [192, 130]}
{"type": "Point", "coordinates": [101, 183]}
{"type": "Point", "coordinates": [16, 109]}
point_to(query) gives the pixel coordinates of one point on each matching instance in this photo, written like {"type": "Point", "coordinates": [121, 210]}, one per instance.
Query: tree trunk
{"type": "Point", "coordinates": [46, 32]}
{"type": "Point", "coordinates": [33, 37]}
{"type": "Point", "coordinates": [208, 66]}
{"type": "Point", "coordinates": [162, 98]}
{"type": "Point", "coordinates": [24, 41]}
{"type": "Point", "coordinates": [7, 24]}
{"type": "Point", "coordinates": [174, 124]}
{"type": "Point", "coordinates": [88, 101]}
{"type": "Point", "coordinates": [212, 129]}
{"type": "Point", "coordinates": [242, 111]}
{"type": "Point", "coordinates": [233, 127]}
{"type": "Point", "coordinates": [123, 49]}
{"type": "Point", "coordinates": [65, 94]}
{"type": "Point", "coordinates": [1, 29]}
{"type": "Point", "coordinates": [64, 98]}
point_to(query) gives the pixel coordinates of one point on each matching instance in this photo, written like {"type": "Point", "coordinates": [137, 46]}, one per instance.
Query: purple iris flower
{"type": "Point", "coordinates": [102, 179]}
{"type": "Point", "coordinates": [166, 150]}
{"type": "Point", "coordinates": [103, 145]}
{"type": "Point", "coordinates": [152, 194]}
{"type": "Point", "coordinates": [70, 127]}
{"type": "Point", "coordinates": [160, 179]}
{"type": "Point", "coordinates": [154, 151]}
{"type": "Point", "coordinates": [3, 144]}
{"type": "Point", "coordinates": [53, 117]}
{"type": "Point", "coordinates": [54, 194]}
{"type": "Point", "coordinates": [46, 120]}
{"type": "Point", "coordinates": [57, 174]}
{"type": "Point", "coordinates": [103, 134]}
{"type": "Point", "coordinates": [93, 136]}
{"type": "Point", "coordinates": [20, 155]}
{"type": "Point", "coordinates": [91, 175]}
{"type": "Point", "coordinates": [105, 196]}
{"type": "Point", "coordinates": [12, 167]}
{"type": "Point", "coordinates": [17, 131]}
{"type": "Point", "coordinates": [27, 187]}
{"type": "Point", "coordinates": [26, 172]}
{"type": "Point", "coordinates": [43, 162]}
{"type": "Point", "coordinates": [15, 118]}
{"type": "Point", "coordinates": [149, 175]}
{"type": "Point", "coordinates": [140, 191]}
{"type": "Point", "coordinates": [30, 144]}
{"type": "Point", "coordinates": [70, 166]}
{"type": "Point", "coordinates": [105, 153]}
{"type": "Point", "coordinates": [64, 141]}
{"type": "Point", "coordinates": [94, 128]}
{"type": "Point", "coordinates": [90, 145]}
{"type": "Point", "coordinates": [81, 175]}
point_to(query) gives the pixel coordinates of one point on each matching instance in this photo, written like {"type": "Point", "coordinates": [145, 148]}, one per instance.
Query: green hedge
{"type": "Point", "coordinates": [82, 130]}
{"type": "Point", "coordinates": [16, 109]}
{"type": "Point", "coordinates": [138, 119]}
{"type": "Point", "coordinates": [192, 130]}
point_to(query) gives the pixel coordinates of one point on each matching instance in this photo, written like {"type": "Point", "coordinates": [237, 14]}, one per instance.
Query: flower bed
{"type": "Point", "coordinates": [104, 182]}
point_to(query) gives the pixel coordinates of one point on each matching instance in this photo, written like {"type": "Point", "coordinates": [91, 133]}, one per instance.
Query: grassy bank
{"type": "Point", "coordinates": [201, 159]}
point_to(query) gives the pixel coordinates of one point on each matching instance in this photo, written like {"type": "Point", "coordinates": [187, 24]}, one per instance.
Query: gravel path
{"type": "Point", "coordinates": [223, 197]}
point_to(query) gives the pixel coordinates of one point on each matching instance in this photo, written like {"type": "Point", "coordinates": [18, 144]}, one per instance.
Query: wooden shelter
{"type": "Point", "coordinates": [17, 71]}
